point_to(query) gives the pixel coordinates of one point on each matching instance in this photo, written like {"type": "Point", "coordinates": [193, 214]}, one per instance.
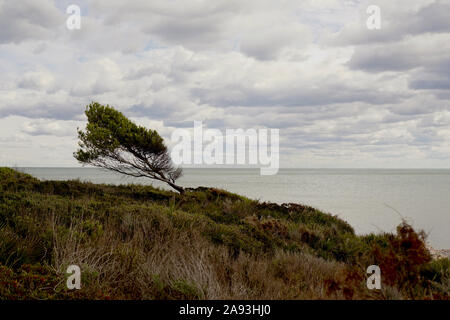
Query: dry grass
{"type": "Point", "coordinates": [154, 261]}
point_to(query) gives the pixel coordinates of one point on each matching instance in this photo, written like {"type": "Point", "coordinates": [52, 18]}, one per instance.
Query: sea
{"type": "Point", "coordinates": [371, 200]}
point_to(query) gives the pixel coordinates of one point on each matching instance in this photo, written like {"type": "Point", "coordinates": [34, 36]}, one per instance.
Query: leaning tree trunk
{"type": "Point", "coordinates": [176, 187]}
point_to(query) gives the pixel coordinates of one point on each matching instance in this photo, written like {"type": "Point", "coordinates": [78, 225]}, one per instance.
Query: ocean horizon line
{"type": "Point", "coordinates": [241, 167]}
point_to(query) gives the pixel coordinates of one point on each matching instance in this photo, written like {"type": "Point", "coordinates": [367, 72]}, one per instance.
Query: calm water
{"type": "Point", "coordinates": [362, 197]}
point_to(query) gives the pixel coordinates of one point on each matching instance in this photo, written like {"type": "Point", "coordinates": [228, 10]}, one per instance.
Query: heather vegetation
{"type": "Point", "coordinates": [139, 242]}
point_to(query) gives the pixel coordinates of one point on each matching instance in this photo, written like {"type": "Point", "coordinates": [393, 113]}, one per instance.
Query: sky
{"type": "Point", "coordinates": [341, 94]}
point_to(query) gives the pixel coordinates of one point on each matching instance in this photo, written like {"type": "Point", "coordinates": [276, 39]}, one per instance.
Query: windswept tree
{"type": "Point", "coordinates": [111, 141]}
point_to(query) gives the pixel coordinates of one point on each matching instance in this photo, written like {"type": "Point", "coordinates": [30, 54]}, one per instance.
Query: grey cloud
{"type": "Point", "coordinates": [432, 18]}
{"type": "Point", "coordinates": [28, 19]}
{"type": "Point", "coordinates": [300, 96]}
{"type": "Point", "coordinates": [191, 32]}
{"type": "Point", "coordinates": [431, 83]}
{"type": "Point", "coordinates": [196, 26]}
{"type": "Point", "coordinates": [434, 76]}
{"type": "Point", "coordinates": [427, 67]}
{"type": "Point", "coordinates": [444, 95]}
{"type": "Point", "coordinates": [178, 124]}
{"type": "Point", "coordinates": [426, 136]}
{"type": "Point", "coordinates": [222, 25]}
{"type": "Point", "coordinates": [35, 81]}
{"type": "Point", "coordinates": [153, 111]}
{"type": "Point", "coordinates": [51, 128]}
{"type": "Point", "coordinates": [97, 88]}
{"type": "Point", "coordinates": [398, 21]}
{"type": "Point", "coordinates": [414, 109]}
{"type": "Point", "coordinates": [48, 110]}
{"type": "Point", "coordinates": [412, 54]}
{"type": "Point", "coordinates": [381, 59]}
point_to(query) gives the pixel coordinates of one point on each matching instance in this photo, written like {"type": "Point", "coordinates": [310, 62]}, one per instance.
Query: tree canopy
{"type": "Point", "coordinates": [113, 142]}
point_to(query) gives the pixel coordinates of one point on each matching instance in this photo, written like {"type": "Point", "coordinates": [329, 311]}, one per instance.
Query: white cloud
{"type": "Point", "coordinates": [341, 94]}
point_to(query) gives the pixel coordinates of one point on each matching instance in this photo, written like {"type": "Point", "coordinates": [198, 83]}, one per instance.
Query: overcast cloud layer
{"type": "Point", "coordinates": [341, 95]}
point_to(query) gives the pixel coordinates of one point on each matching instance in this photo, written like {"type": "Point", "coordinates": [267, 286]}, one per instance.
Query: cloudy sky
{"type": "Point", "coordinates": [342, 95]}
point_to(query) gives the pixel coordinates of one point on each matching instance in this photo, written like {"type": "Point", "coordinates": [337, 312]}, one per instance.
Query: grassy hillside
{"type": "Point", "coordinates": [138, 242]}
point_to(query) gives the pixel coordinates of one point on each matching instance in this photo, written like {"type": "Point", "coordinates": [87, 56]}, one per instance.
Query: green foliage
{"type": "Point", "coordinates": [108, 130]}
{"type": "Point", "coordinates": [437, 270]}
{"type": "Point", "coordinates": [185, 290]}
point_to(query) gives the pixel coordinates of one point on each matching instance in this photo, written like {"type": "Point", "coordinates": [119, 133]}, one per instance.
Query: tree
{"type": "Point", "coordinates": [111, 141]}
